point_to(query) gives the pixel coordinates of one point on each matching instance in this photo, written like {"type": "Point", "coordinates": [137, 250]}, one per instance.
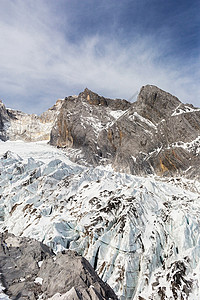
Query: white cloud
{"type": "Point", "coordinates": [39, 63]}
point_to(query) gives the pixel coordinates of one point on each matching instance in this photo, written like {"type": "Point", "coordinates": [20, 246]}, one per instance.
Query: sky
{"type": "Point", "coordinates": [50, 49]}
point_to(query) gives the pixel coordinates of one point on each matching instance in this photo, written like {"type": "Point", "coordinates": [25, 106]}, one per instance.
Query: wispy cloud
{"type": "Point", "coordinates": [39, 62]}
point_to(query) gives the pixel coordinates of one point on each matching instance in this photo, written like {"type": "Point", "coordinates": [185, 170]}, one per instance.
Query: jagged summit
{"type": "Point", "coordinates": [88, 91]}
{"type": "Point", "coordinates": [155, 135]}
{"type": "Point", "coordinates": [154, 103]}
{"type": "Point", "coordinates": [95, 99]}
{"type": "Point", "coordinates": [149, 98]}
{"type": "Point", "coordinates": [153, 96]}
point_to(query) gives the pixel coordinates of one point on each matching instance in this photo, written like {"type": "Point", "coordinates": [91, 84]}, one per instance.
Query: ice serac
{"type": "Point", "coordinates": [155, 135]}
{"type": "Point", "coordinates": [30, 270]}
{"type": "Point", "coordinates": [141, 234]}
{"type": "Point", "coordinates": [17, 125]}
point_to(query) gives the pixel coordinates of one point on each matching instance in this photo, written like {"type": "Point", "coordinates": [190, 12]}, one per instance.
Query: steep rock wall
{"type": "Point", "coordinates": [16, 125]}
{"type": "Point", "coordinates": [156, 134]}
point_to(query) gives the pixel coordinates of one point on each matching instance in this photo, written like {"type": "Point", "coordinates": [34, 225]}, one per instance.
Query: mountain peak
{"type": "Point", "coordinates": [86, 90]}
{"type": "Point", "coordinates": [154, 96]}
{"type": "Point", "coordinates": [91, 97]}
{"type": "Point", "coordinates": [155, 104]}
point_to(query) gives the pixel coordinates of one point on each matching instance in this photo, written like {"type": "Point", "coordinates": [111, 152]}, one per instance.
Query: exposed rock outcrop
{"type": "Point", "coordinates": [3, 121]}
{"type": "Point", "coordinates": [156, 134]}
{"type": "Point", "coordinates": [16, 125]}
{"type": "Point", "coordinates": [30, 269]}
{"type": "Point", "coordinates": [159, 135]}
{"type": "Point", "coordinates": [82, 119]}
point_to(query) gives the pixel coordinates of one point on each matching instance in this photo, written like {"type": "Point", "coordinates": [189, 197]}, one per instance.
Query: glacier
{"type": "Point", "coordinates": [141, 234]}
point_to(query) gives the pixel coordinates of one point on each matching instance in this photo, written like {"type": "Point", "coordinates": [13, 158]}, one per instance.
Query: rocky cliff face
{"type": "Point", "coordinates": [155, 135]}
{"type": "Point", "coordinates": [16, 125]}
{"type": "Point", "coordinates": [159, 135]}
{"type": "Point", "coordinates": [4, 119]}
{"type": "Point", "coordinates": [81, 121]}
{"type": "Point", "coordinates": [30, 270]}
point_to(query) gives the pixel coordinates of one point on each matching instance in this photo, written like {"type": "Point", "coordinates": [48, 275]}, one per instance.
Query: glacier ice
{"type": "Point", "coordinates": [141, 234]}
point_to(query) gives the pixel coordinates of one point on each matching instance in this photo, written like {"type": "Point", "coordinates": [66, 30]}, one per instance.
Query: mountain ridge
{"type": "Point", "coordinates": [157, 120]}
{"type": "Point", "coordinates": [157, 134]}
{"type": "Point", "coordinates": [118, 183]}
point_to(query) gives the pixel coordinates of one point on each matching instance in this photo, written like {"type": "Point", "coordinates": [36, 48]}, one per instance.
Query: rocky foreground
{"type": "Point", "coordinates": [30, 270]}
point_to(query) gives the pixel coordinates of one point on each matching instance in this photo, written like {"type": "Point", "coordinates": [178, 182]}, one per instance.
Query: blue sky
{"type": "Point", "coordinates": [50, 49]}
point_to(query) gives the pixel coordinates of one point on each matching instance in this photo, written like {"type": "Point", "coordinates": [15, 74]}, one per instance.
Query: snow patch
{"type": "Point", "coordinates": [184, 110]}
{"type": "Point", "coordinates": [193, 146]}
{"type": "Point", "coordinates": [3, 296]}
{"type": "Point", "coordinates": [38, 280]}
{"type": "Point", "coordinates": [117, 113]}
{"type": "Point", "coordinates": [136, 116]}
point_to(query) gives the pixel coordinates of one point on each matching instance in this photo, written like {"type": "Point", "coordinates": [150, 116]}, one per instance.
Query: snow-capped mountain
{"type": "Point", "coordinates": [118, 183]}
